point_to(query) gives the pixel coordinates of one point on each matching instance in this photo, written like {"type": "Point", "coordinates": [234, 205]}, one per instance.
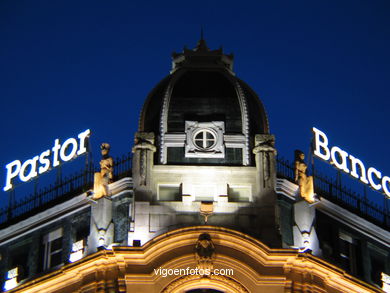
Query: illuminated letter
{"type": "Point", "coordinates": [72, 153]}
{"type": "Point", "coordinates": [44, 161]}
{"type": "Point", "coordinates": [377, 174]}
{"type": "Point", "coordinates": [354, 163]}
{"type": "Point", "coordinates": [385, 181]}
{"type": "Point", "coordinates": [343, 155]}
{"type": "Point", "coordinates": [55, 149]}
{"type": "Point", "coordinates": [83, 137]}
{"type": "Point", "coordinates": [11, 174]}
{"type": "Point", "coordinates": [33, 171]}
{"type": "Point", "coordinates": [321, 143]}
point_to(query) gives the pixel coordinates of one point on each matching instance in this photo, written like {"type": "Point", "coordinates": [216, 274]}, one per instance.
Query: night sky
{"type": "Point", "coordinates": [66, 66]}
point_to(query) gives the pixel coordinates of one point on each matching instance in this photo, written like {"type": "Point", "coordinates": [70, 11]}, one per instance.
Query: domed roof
{"type": "Point", "coordinates": [202, 93]}
{"type": "Point", "coordinates": [203, 87]}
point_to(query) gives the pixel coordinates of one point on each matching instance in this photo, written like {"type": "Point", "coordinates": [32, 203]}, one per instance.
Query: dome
{"type": "Point", "coordinates": [203, 91]}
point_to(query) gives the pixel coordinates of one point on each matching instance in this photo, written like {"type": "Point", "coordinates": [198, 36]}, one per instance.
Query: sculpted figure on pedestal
{"type": "Point", "coordinates": [306, 188]}
{"type": "Point", "coordinates": [106, 174]}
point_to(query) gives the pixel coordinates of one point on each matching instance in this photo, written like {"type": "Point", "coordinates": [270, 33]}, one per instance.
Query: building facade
{"type": "Point", "coordinates": [202, 193]}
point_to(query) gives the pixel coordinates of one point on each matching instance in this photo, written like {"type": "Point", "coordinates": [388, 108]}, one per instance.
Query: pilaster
{"type": "Point", "coordinates": [143, 157]}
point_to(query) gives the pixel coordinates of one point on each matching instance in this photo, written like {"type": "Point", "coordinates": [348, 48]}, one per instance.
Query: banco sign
{"type": "Point", "coordinates": [68, 150]}
{"type": "Point", "coordinates": [349, 164]}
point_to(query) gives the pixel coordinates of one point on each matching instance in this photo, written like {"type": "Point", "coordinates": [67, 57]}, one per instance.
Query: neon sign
{"type": "Point", "coordinates": [349, 164]}
{"type": "Point", "coordinates": [68, 150]}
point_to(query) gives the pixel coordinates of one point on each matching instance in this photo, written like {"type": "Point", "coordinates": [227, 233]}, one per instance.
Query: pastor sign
{"type": "Point", "coordinates": [31, 168]}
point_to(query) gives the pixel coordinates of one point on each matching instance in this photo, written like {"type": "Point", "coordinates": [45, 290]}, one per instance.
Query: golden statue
{"type": "Point", "coordinates": [105, 176]}
{"type": "Point", "coordinates": [305, 183]}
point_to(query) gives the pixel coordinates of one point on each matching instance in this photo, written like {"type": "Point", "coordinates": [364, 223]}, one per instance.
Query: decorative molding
{"type": "Point", "coordinates": [234, 141]}
{"type": "Point", "coordinates": [357, 223]}
{"type": "Point", "coordinates": [290, 190]}
{"type": "Point", "coordinates": [60, 211]}
{"type": "Point", "coordinates": [163, 122]}
{"type": "Point", "coordinates": [245, 121]}
{"type": "Point", "coordinates": [215, 128]}
{"type": "Point", "coordinates": [174, 140]}
{"type": "Point", "coordinates": [256, 267]}
{"type": "Point", "coordinates": [287, 188]}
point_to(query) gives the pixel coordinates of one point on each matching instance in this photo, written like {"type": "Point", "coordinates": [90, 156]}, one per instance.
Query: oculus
{"type": "Point", "coordinates": [204, 139]}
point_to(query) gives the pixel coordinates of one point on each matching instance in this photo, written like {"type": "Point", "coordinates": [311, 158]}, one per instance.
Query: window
{"type": "Point", "coordinates": [385, 282]}
{"type": "Point", "coordinates": [204, 139]}
{"type": "Point", "coordinates": [18, 268]}
{"type": "Point", "coordinates": [169, 192]}
{"type": "Point", "coordinates": [377, 267]}
{"type": "Point", "coordinates": [77, 251]}
{"type": "Point", "coordinates": [349, 252]}
{"type": "Point", "coordinates": [11, 279]}
{"type": "Point", "coordinates": [19, 261]}
{"type": "Point", "coordinates": [52, 249]}
{"type": "Point", "coordinates": [79, 243]}
{"type": "Point", "coordinates": [239, 193]}
{"type": "Point", "coordinates": [379, 260]}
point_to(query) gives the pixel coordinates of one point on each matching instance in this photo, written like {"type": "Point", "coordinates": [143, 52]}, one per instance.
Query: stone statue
{"type": "Point", "coordinates": [106, 164]}
{"type": "Point", "coordinates": [305, 183]}
{"type": "Point", "coordinates": [204, 252]}
{"type": "Point", "coordinates": [106, 174]}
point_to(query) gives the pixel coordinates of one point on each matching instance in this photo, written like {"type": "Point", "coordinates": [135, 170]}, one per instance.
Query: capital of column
{"type": "Point", "coordinates": [144, 141]}
{"type": "Point", "coordinates": [264, 143]}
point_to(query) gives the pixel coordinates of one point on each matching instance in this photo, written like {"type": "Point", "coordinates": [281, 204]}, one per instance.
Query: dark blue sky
{"type": "Point", "coordinates": [66, 66]}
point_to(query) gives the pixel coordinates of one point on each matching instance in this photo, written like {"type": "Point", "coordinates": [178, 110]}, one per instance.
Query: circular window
{"type": "Point", "coordinates": [205, 139]}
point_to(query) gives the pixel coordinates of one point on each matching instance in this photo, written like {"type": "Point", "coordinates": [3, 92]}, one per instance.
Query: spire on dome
{"type": "Point", "coordinates": [201, 46]}
{"type": "Point", "coordinates": [202, 57]}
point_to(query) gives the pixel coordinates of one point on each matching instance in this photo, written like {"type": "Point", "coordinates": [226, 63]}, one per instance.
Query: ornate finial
{"type": "Point", "coordinates": [202, 56]}
{"type": "Point", "coordinates": [202, 46]}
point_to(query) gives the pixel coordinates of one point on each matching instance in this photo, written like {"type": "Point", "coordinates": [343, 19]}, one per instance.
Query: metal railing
{"type": "Point", "coordinates": [340, 195]}
{"type": "Point", "coordinates": [65, 189]}
{"type": "Point", "coordinates": [83, 181]}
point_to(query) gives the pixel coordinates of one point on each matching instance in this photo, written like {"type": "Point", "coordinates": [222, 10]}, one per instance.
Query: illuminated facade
{"type": "Point", "coordinates": [205, 193]}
